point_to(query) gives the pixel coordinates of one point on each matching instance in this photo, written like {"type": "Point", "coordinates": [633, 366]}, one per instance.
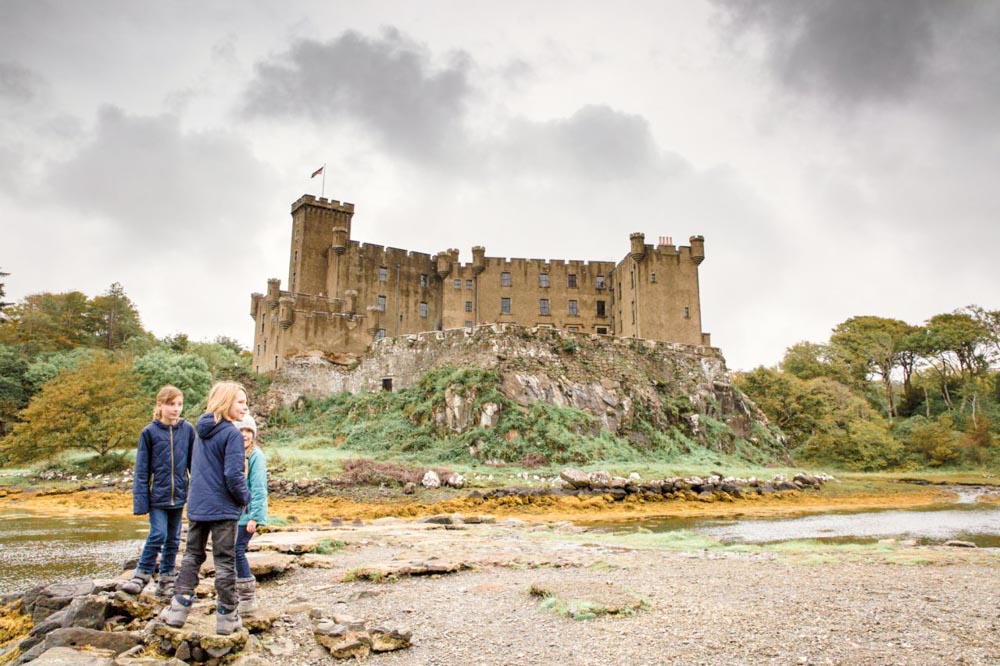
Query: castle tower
{"type": "Point", "coordinates": [321, 230]}
{"type": "Point", "coordinates": [637, 243]}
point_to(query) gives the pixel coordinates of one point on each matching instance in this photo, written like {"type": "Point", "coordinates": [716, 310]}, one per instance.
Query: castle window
{"type": "Point", "coordinates": [381, 303]}
{"type": "Point", "coordinates": [574, 308]}
{"type": "Point", "coordinates": [543, 306]}
{"type": "Point", "coordinates": [505, 279]}
{"type": "Point", "coordinates": [573, 329]}
{"type": "Point", "coordinates": [258, 350]}
{"type": "Point", "coordinates": [423, 280]}
{"type": "Point", "coordinates": [468, 285]}
{"type": "Point", "coordinates": [380, 334]}
{"type": "Point", "coordinates": [263, 318]}
{"type": "Point", "coordinates": [458, 283]}
{"type": "Point", "coordinates": [468, 324]}
{"type": "Point", "coordinates": [600, 309]}
{"type": "Point", "coordinates": [543, 280]}
{"type": "Point", "coordinates": [687, 313]}
{"type": "Point", "coordinates": [600, 282]}
{"type": "Point", "coordinates": [504, 306]}
{"type": "Point", "coordinates": [652, 277]}
{"type": "Point", "coordinates": [275, 361]}
{"type": "Point", "coordinates": [423, 309]}
{"type": "Point", "coordinates": [383, 274]}
{"type": "Point", "coordinates": [602, 330]}
{"type": "Point", "coordinates": [468, 306]}
{"type": "Point", "coordinates": [265, 346]}
{"type": "Point", "coordinates": [571, 278]}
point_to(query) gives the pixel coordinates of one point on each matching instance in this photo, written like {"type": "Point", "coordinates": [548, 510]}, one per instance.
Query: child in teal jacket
{"type": "Point", "coordinates": [253, 516]}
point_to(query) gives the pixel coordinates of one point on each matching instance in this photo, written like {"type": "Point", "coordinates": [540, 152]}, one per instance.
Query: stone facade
{"type": "Point", "coordinates": [343, 295]}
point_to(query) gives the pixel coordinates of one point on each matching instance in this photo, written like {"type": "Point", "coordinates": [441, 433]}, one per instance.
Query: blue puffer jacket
{"type": "Point", "coordinates": [162, 466]}
{"type": "Point", "coordinates": [218, 484]}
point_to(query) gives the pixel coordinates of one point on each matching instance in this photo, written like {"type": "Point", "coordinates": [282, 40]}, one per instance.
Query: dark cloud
{"type": "Point", "coordinates": [146, 174]}
{"type": "Point", "coordinates": [595, 143]}
{"type": "Point", "coordinates": [387, 85]}
{"type": "Point", "coordinates": [18, 84]}
{"type": "Point", "coordinates": [866, 50]}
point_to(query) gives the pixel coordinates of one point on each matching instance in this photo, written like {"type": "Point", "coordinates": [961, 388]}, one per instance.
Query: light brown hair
{"type": "Point", "coordinates": [221, 399]}
{"type": "Point", "coordinates": [166, 394]}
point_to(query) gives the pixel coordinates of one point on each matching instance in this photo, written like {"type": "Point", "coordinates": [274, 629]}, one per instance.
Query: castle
{"type": "Point", "coordinates": [344, 295]}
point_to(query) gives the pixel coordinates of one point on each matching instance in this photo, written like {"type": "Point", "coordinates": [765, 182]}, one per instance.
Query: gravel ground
{"type": "Point", "coordinates": [703, 608]}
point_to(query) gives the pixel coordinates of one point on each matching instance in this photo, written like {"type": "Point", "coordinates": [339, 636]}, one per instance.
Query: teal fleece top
{"type": "Point", "coordinates": [257, 484]}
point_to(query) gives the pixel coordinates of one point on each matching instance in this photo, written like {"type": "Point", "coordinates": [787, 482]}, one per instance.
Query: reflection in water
{"type": "Point", "coordinates": [38, 549]}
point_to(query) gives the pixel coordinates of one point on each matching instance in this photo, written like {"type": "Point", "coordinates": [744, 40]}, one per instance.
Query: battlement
{"type": "Point", "coordinates": [320, 202]}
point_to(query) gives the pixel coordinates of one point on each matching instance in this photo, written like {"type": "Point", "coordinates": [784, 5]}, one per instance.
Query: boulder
{"type": "Point", "coordinates": [431, 480]}
{"type": "Point", "coordinates": [575, 478]}
{"type": "Point", "coordinates": [67, 656]}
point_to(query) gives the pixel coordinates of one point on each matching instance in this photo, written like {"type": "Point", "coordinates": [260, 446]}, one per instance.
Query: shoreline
{"type": "Point", "coordinates": [534, 509]}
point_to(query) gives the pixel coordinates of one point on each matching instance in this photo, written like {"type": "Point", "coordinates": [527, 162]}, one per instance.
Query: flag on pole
{"type": "Point", "coordinates": [318, 171]}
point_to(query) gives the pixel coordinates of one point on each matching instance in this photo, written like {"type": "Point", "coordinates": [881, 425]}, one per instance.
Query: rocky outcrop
{"type": "Point", "coordinates": [348, 638]}
{"type": "Point", "coordinates": [629, 386]}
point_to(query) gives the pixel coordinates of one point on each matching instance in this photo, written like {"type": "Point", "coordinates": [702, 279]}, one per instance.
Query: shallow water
{"type": "Point", "coordinates": [38, 549]}
{"type": "Point", "coordinates": [964, 520]}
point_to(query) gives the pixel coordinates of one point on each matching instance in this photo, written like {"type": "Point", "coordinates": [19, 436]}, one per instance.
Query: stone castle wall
{"type": "Point", "coordinates": [344, 295]}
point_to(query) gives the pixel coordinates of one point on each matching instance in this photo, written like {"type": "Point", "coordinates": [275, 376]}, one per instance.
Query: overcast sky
{"type": "Point", "coordinates": [841, 157]}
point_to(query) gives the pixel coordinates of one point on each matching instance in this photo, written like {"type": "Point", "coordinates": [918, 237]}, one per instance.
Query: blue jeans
{"type": "Point", "coordinates": [242, 541]}
{"type": "Point", "coordinates": [164, 534]}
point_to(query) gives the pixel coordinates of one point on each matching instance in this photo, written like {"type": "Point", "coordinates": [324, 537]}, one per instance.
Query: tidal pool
{"type": "Point", "coordinates": [37, 548]}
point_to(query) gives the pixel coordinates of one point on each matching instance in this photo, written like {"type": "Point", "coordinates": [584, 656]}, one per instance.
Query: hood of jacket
{"type": "Point", "coordinates": [207, 427]}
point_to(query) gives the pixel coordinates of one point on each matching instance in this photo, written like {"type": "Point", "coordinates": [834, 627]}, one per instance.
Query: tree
{"type": "Point", "coordinates": [98, 406]}
{"type": "Point", "coordinates": [808, 360]}
{"type": "Point", "coordinates": [187, 372]}
{"type": "Point", "coordinates": [46, 365]}
{"type": "Point", "coordinates": [49, 322]}
{"type": "Point", "coordinates": [3, 293]}
{"type": "Point", "coordinates": [14, 388]}
{"type": "Point", "coordinates": [872, 346]}
{"type": "Point", "coordinates": [954, 341]}
{"type": "Point", "coordinates": [115, 318]}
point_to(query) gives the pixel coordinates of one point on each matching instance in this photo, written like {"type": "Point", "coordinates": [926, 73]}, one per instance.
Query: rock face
{"type": "Point", "coordinates": [621, 382]}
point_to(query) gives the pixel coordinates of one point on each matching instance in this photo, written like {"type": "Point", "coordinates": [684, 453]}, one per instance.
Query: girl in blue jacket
{"type": "Point", "coordinates": [159, 488]}
{"type": "Point", "coordinates": [253, 516]}
{"type": "Point", "coordinates": [217, 499]}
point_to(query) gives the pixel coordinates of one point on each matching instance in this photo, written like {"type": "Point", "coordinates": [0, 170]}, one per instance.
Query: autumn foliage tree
{"type": "Point", "coordinates": [98, 406]}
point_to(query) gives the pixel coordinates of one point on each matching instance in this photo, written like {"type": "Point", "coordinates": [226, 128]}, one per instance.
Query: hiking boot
{"type": "Point", "coordinates": [246, 592]}
{"type": "Point", "coordinates": [175, 615]}
{"type": "Point", "coordinates": [165, 586]}
{"type": "Point", "coordinates": [227, 621]}
{"type": "Point", "coordinates": [137, 584]}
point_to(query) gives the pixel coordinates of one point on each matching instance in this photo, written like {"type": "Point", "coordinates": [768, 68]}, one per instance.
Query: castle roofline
{"type": "Point", "coordinates": [320, 202]}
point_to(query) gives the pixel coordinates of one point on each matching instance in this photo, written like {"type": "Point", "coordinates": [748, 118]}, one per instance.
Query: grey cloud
{"type": "Point", "coordinates": [854, 50]}
{"type": "Point", "coordinates": [387, 85]}
{"type": "Point", "coordinates": [146, 175]}
{"type": "Point", "coordinates": [595, 143]}
{"type": "Point", "coordinates": [18, 84]}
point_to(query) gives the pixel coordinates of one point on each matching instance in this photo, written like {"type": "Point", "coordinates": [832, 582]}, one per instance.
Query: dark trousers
{"type": "Point", "coordinates": [242, 564]}
{"type": "Point", "coordinates": [223, 533]}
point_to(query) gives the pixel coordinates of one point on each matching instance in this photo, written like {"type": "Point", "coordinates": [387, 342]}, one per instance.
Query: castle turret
{"type": "Point", "coordinates": [478, 259]}
{"type": "Point", "coordinates": [443, 261]}
{"type": "Point", "coordinates": [255, 300]}
{"type": "Point", "coordinates": [286, 311]}
{"type": "Point", "coordinates": [697, 249]}
{"type": "Point", "coordinates": [638, 246]}
{"type": "Point", "coordinates": [273, 291]}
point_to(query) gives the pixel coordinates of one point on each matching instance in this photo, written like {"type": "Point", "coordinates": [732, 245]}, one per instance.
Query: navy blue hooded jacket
{"type": "Point", "coordinates": [162, 464]}
{"type": "Point", "coordinates": [218, 480]}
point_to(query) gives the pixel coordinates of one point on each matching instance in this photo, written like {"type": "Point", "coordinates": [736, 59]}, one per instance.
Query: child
{"type": "Point", "coordinates": [217, 498]}
{"type": "Point", "coordinates": [254, 516]}
{"type": "Point", "coordinates": [159, 488]}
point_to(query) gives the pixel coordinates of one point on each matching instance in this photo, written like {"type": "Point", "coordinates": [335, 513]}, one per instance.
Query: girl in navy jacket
{"type": "Point", "coordinates": [159, 488]}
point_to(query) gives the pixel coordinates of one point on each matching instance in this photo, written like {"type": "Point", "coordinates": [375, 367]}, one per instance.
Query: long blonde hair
{"type": "Point", "coordinates": [166, 394]}
{"type": "Point", "coordinates": [221, 399]}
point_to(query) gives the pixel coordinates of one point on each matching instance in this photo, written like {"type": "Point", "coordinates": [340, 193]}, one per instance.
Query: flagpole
{"type": "Point", "coordinates": [323, 187]}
